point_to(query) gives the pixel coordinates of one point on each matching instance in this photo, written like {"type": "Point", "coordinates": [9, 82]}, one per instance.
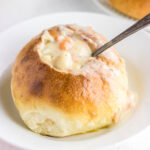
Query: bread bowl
{"type": "Point", "coordinates": [60, 90]}
{"type": "Point", "coordinates": [134, 8]}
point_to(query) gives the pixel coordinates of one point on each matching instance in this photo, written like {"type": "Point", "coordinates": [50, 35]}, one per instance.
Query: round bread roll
{"type": "Point", "coordinates": [59, 89]}
{"type": "Point", "coordinates": [133, 8]}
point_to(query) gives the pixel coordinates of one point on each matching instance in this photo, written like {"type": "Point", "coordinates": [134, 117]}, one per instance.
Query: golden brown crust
{"type": "Point", "coordinates": [41, 83]}
{"type": "Point", "coordinates": [133, 8]}
{"type": "Point", "coordinates": [36, 86]}
{"type": "Point", "coordinates": [70, 93]}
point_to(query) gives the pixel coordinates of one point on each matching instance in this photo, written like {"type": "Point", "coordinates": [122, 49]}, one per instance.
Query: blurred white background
{"type": "Point", "coordinates": [14, 11]}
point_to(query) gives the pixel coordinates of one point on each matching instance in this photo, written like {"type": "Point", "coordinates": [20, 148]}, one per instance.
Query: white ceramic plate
{"type": "Point", "coordinates": [135, 50]}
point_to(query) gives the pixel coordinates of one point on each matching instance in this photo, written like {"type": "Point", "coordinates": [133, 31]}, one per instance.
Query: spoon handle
{"type": "Point", "coordinates": [134, 28]}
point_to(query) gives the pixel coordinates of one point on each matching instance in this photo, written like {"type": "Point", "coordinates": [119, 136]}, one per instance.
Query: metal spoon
{"type": "Point", "coordinates": [134, 28]}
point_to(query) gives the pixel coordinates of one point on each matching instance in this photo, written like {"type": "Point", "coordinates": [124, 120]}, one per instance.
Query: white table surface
{"type": "Point", "coordinates": [15, 11]}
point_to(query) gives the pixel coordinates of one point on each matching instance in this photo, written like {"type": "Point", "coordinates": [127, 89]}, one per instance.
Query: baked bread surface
{"type": "Point", "coordinates": [133, 8]}
{"type": "Point", "coordinates": [56, 103]}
